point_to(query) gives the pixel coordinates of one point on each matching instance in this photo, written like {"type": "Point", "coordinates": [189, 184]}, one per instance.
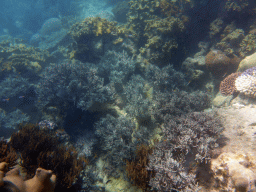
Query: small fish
{"type": "Point", "coordinates": [6, 100]}
{"type": "Point", "coordinates": [20, 97]}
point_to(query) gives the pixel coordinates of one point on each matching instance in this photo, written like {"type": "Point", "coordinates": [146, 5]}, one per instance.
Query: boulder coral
{"type": "Point", "coordinates": [247, 62]}
{"type": "Point", "coordinates": [219, 64]}
{"type": "Point", "coordinates": [43, 181]}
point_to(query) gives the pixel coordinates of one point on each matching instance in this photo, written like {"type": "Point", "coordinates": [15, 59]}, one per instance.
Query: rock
{"type": "Point", "coordinates": [247, 62]}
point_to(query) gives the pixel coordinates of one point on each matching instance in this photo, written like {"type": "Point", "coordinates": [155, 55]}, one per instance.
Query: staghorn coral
{"type": "Point", "coordinates": [178, 103]}
{"type": "Point", "coordinates": [165, 79]}
{"type": "Point", "coordinates": [117, 65]}
{"type": "Point", "coordinates": [44, 180]}
{"type": "Point", "coordinates": [119, 138]}
{"type": "Point", "coordinates": [75, 82]}
{"type": "Point", "coordinates": [187, 140]}
{"type": "Point", "coordinates": [227, 86]}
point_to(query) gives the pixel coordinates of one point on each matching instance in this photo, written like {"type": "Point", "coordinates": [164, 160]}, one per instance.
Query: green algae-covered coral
{"type": "Point", "coordinates": [248, 45]}
{"type": "Point", "coordinates": [156, 28]}
{"type": "Point", "coordinates": [17, 57]}
{"type": "Point", "coordinates": [236, 5]}
{"type": "Point", "coordinates": [92, 35]}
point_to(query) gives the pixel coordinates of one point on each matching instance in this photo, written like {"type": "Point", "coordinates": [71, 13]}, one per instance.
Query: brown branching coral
{"type": "Point", "coordinates": [137, 168]}
{"type": "Point", "coordinates": [227, 86]}
{"type": "Point", "coordinates": [7, 154]}
{"type": "Point", "coordinates": [39, 148]}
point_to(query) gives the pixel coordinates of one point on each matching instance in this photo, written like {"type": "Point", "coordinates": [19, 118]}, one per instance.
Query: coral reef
{"type": "Point", "coordinates": [231, 40]}
{"type": "Point", "coordinates": [227, 86]}
{"type": "Point", "coordinates": [44, 180]}
{"type": "Point", "coordinates": [215, 27]}
{"type": "Point", "coordinates": [40, 148]}
{"type": "Point", "coordinates": [236, 5]}
{"type": "Point", "coordinates": [155, 27]}
{"type": "Point", "coordinates": [178, 103]}
{"type": "Point", "coordinates": [117, 65]}
{"type": "Point", "coordinates": [18, 57]}
{"type": "Point", "coordinates": [187, 141]}
{"type": "Point", "coordinates": [75, 82]}
{"type": "Point", "coordinates": [246, 82]}
{"type": "Point", "coordinates": [10, 120]}
{"type": "Point", "coordinates": [50, 25]}
{"type": "Point", "coordinates": [119, 138]}
{"type": "Point", "coordinates": [137, 168]}
{"type": "Point", "coordinates": [234, 171]}
{"type": "Point", "coordinates": [93, 36]}
{"type": "Point", "coordinates": [219, 64]}
{"type": "Point", "coordinates": [247, 62]}
{"type": "Point", "coordinates": [7, 154]}
{"type": "Point", "coordinates": [165, 79]}
{"type": "Point", "coordinates": [247, 46]}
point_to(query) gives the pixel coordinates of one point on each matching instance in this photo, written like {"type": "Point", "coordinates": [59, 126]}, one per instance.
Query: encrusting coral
{"type": "Point", "coordinates": [246, 82]}
{"type": "Point", "coordinates": [43, 181]}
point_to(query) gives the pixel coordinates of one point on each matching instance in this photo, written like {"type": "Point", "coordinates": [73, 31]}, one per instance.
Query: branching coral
{"type": "Point", "coordinates": [7, 154]}
{"type": "Point", "coordinates": [137, 168]}
{"type": "Point", "coordinates": [178, 103]}
{"type": "Point", "coordinates": [76, 82]}
{"type": "Point", "coordinates": [119, 138]}
{"type": "Point", "coordinates": [187, 139]}
{"type": "Point", "coordinates": [39, 148]}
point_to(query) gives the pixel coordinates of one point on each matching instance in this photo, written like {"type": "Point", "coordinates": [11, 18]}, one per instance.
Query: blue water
{"type": "Point", "coordinates": [110, 76]}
